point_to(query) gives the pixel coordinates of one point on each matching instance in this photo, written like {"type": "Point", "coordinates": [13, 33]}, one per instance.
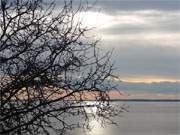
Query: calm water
{"type": "Point", "coordinates": [143, 118]}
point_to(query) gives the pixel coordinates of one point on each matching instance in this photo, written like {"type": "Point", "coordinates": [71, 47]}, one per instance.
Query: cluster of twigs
{"type": "Point", "coordinates": [47, 67]}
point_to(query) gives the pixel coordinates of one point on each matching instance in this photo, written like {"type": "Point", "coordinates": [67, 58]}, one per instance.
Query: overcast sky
{"type": "Point", "coordinates": [144, 34]}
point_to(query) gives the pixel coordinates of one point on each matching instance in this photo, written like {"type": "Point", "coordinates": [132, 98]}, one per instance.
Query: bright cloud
{"type": "Point", "coordinates": [164, 39]}
{"type": "Point", "coordinates": [145, 42]}
{"type": "Point", "coordinates": [145, 36]}
{"type": "Point", "coordinates": [95, 19]}
{"type": "Point", "coordinates": [143, 18]}
{"type": "Point", "coordinates": [144, 26]}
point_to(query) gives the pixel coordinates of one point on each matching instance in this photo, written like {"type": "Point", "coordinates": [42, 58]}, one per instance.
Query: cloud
{"type": "Point", "coordinates": [144, 34]}
{"type": "Point", "coordinates": [151, 27]}
{"type": "Point", "coordinates": [154, 39]}
{"type": "Point", "coordinates": [143, 20]}
{"type": "Point", "coordinates": [112, 6]}
{"type": "Point", "coordinates": [138, 60]}
{"type": "Point", "coordinates": [146, 43]}
{"type": "Point", "coordinates": [142, 26]}
{"type": "Point", "coordinates": [154, 87]}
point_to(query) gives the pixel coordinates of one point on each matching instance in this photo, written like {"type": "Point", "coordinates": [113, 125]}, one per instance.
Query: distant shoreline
{"type": "Point", "coordinates": [147, 100]}
{"type": "Point", "coordinates": [142, 100]}
{"type": "Point", "coordinates": [134, 100]}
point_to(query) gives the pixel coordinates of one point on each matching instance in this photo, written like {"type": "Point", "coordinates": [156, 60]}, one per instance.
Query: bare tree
{"type": "Point", "coordinates": [48, 68]}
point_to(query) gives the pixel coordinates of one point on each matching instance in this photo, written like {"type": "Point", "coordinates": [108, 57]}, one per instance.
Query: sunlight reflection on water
{"type": "Point", "coordinates": [97, 128]}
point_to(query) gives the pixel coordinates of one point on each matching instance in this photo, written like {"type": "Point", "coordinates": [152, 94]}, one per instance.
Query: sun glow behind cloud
{"type": "Point", "coordinates": [146, 26]}
{"type": "Point", "coordinates": [95, 19]}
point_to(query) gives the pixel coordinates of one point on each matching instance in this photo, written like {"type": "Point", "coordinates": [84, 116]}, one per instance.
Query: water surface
{"type": "Point", "coordinates": [143, 118]}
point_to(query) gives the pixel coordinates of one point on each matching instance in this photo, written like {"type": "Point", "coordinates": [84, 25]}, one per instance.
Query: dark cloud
{"type": "Point", "coordinates": [112, 6]}
{"type": "Point", "coordinates": [148, 47]}
{"type": "Point", "coordinates": [145, 60]}
{"type": "Point", "coordinates": [158, 87]}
